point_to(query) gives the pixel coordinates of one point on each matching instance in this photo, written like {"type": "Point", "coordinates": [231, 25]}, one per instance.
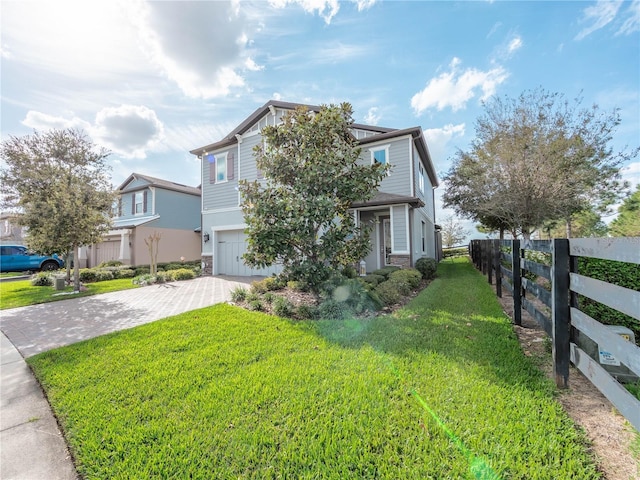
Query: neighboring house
{"type": "Point", "coordinates": [10, 230]}
{"type": "Point", "coordinates": [146, 205]}
{"type": "Point", "coordinates": [402, 210]}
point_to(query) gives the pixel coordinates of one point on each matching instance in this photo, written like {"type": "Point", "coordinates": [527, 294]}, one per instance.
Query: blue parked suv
{"type": "Point", "coordinates": [18, 258]}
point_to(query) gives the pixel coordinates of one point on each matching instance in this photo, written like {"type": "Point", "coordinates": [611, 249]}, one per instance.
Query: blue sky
{"type": "Point", "coordinates": [153, 80]}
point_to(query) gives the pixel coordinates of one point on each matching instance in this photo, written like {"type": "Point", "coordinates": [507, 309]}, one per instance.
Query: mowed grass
{"type": "Point", "coordinates": [439, 390]}
{"type": "Point", "coordinates": [20, 293]}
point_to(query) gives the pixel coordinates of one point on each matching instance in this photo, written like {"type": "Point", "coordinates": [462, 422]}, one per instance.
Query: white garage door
{"type": "Point", "coordinates": [230, 248]}
{"type": "Point", "coordinates": [107, 251]}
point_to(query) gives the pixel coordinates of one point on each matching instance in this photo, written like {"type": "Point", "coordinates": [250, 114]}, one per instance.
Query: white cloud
{"type": "Point", "coordinates": [454, 88]}
{"type": "Point", "coordinates": [631, 24]}
{"type": "Point", "coordinates": [327, 9]}
{"type": "Point", "coordinates": [42, 121]}
{"type": "Point", "coordinates": [276, 96]}
{"type": "Point", "coordinates": [372, 117]}
{"type": "Point", "coordinates": [438, 141]}
{"type": "Point", "coordinates": [514, 44]}
{"type": "Point", "coordinates": [598, 16]}
{"type": "Point", "coordinates": [250, 64]}
{"type": "Point", "coordinates": [198, 45]}
{"type": "Point", "coordinates": [364, 4]}
{"type": "Point", "coordinates": [337, 52]}
{"type": "Point", "coordinates": [631, 173]}
{"type": "Point", "coordinates": [129, 130]}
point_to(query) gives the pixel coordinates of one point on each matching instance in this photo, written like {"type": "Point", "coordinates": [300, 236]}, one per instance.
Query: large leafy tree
{"type": "Point", "coordinates": [627, 223]}
{"type": "Point", "coordinates": [536, 158]}
{"type": "Point", "coordinates": [299, 215]}
{"type": "Point", "coordinates": [58, 183]}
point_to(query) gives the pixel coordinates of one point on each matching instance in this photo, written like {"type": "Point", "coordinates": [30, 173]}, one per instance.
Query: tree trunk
{"type": "Point", "coordinates": [569, 234]}
{"type": "Point", "coordinates": [68, 258]}
{"type": "Point", "coordinates": [76, 269]}
{"type": "Point", "coordinates": [501, 233]}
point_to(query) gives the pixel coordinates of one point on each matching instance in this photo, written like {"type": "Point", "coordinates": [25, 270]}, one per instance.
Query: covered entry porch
{"type": "Point", "coordinates": [391, 235]}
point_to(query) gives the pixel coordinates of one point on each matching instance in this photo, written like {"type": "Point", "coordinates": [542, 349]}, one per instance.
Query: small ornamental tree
{"type": "Point", "coordinates": [299, 216]}
{"type": "Point", "coordinates": [57, 183]}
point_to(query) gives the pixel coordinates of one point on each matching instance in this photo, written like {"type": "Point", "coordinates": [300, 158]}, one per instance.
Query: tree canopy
{"type": "Point", "coordinates": [453, 232]}
{"type": "Point", "coordinates": [627, 223]}
{"type": "Point", "coordinates": [299, 215]}
{"type": "Point", "coordinates": [536, 158]}
{"type": "Point", "coordinates": [58, 183]}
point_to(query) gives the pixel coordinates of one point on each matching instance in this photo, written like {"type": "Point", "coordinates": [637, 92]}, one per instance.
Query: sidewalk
{"type": "Point", "coordinates": [31, 445]}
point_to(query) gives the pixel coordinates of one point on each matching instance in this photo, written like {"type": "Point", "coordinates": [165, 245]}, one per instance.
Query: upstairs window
{"type": "Point", "coordinates": [221, 167]}
{"type": "Point", "coordinates": [421, 177]}
{"type": "Point", "coordinates": [380, 155]}
{"type": "Point", "coordinates": [139, 202]}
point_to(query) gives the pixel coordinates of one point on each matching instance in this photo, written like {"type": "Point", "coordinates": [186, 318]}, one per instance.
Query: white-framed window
{"type": "Point", "coordinates": [421, 177]}
{"type": "Point", "coordinates": [221, 168]}
{"type": "Point", "coordinates": [139, 203]}
{"type": "Point", "coordinates": [380, 155]}
{"type": "Point", "coordinates": [424, 236]}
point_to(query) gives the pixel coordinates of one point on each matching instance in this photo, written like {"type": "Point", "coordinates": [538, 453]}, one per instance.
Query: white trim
{"type": "Point", "coordinates": [413, 179]}
{"type": "Point", "coordinates": [153, 200]}
{"type": "Point", "coordinates": [221, 210]}
{"type": "Point", "coordinates": [251, 133]}
{"type": "Point", "coordinates": [239, 226]}
{"type": "Point", "coordinates": [393, 247]}
{"type": "Point", "coordinates": [406, 214]}
{"type": "Point", "coordinates": [379, 148]}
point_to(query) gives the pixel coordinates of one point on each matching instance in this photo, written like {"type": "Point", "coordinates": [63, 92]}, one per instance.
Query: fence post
{"type": "Point", "coordinates": [517, 281]}
{"type": "Point", "coordinates": [489, 261]}
{"type": "Point", "coordinates": [497, 261]}
{"type": "Point", "coordinates": [560, 314]}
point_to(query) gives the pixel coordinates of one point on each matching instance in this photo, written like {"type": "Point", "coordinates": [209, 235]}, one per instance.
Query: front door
{"type": "Point", "coordinates": [385, 241]}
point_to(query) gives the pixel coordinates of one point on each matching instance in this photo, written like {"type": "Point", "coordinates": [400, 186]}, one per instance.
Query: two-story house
{"type": "Point", "coordinates": [402, 210]}
{"type": "Point", "coordinates": [145, 206]}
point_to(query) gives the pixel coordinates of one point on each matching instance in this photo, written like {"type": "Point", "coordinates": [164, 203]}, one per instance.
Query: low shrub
{"type": "Point", "coordinates": [256, 305]}
{"type": "Point", "coordinates": [183, 274]}
{"type": "Point", "coordinates": [139, 271]}
{"type": "Point", "coordinates": [297, 285]}
{"type": "Point", "coordinates": [110, 263]}
{"type": "Point", "coordinates": [373, 279]}
{"type": "Point", "coordinates": [349, 272]}
{"type": "Point", "coordinates": [427, 267]}
{"type": "Point", "coordinates": [410, 276]}
{"type": "Point", "coordinates": [272, 283]}
{"type": "Point", "coordinates": [455, 252]}
{"type": "Point", "coordinates": [282, 307]}
{"type": "Point", "coordinates": [88, 275]}
{"type": "Point", "coordinates": [124, 273]}
{"type": "Point", "coordinates": [164, 277]}
{"type": "Point", "coordinates": [331, 309]}
{"type": "Point", "coordinates": [403, 287]}
{"type": "Point", "coordinates": [258, 286]}
{"type": "Point", "coordinates": [42, 279]}
{"type": "Point", "coordinates": [145, 279]}
{"type": "Point", "coordinates": [388, 292]}
{"type": "Point", "coordinates": [269, 297]}
{"type": "Point", "coordinates": [386, 271]}
{"type": "Point", "coordinates": [306, 312]}
{"type": "Point", "coordinates": [103, 275]}
{"type": "Point", "coordinates": [239, 294]}
{"type": "Point", "coordinates": [352, 292]}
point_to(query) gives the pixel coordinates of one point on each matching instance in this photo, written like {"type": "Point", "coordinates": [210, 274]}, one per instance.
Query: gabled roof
{"type": "Point", "coordinates": [158, 182]}
{"type": "Point", "coordinates": [259, 113]}
{"type": "Point", "coordinates": [382, 133]}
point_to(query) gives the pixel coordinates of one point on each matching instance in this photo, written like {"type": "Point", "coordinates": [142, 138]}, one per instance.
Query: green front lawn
{"type": "Point", "coordinates": [21, 293]}
{"type": "Point", "coordinates": [439, 390]}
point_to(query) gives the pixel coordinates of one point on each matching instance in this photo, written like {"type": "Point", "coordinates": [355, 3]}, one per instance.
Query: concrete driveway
{"type": "Point", "coordinates": [31, 446]}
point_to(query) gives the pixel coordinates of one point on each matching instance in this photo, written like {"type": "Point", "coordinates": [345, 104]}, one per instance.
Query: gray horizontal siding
{"type": "Point", "coordinates": [177, 210]}
{"type": "Point", "coordinates": [220, 195]}
{"type": "Point", "coordinates": [399, 180]}
{"type": "Point", "coordinates": [399, 225]}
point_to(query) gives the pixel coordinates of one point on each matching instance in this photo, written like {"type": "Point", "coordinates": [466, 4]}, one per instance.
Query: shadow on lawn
{"type": "Point", "coordinates": [468, 339]}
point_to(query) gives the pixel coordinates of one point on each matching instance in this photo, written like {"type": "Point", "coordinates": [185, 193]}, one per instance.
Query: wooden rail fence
{"type": "Point", "coordinates": [552, 301]}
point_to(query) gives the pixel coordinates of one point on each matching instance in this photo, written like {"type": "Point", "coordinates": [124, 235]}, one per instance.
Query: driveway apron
{"type": "Point", "coordinates": [31, 445]}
